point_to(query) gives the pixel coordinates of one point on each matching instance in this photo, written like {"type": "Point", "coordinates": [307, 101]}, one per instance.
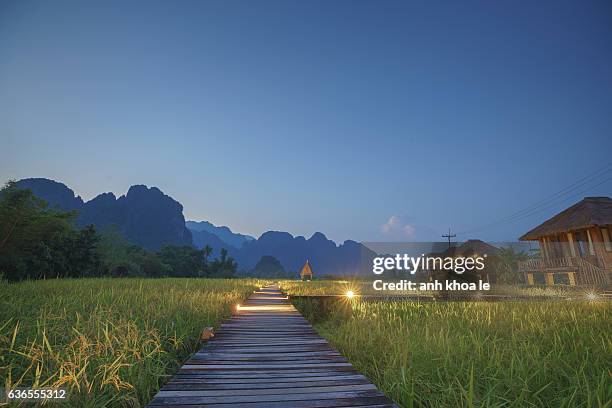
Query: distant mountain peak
{"type": "Point", "coordinates": [144, 189]}
{"type": "Point", "coordinates": [148, 217]}
{"type": "Point", "coordinates": [325, 256]}
{"type": "Point", "coordinates": [55, 193]}
{"type": "Point", "coordinates": [104, 197]}
{"type": "Point", "coordinates": [318, 236]}
{"type": "Point", "coordinates": [275, 233]}
{"type": "Point", "coordinates": [145, 216]}
{"type": "Point", "coordinates": [223, 233]}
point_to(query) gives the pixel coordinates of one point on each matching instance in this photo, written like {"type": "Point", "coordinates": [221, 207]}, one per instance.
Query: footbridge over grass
{"type": "Point", "coordinates": [268, 356]}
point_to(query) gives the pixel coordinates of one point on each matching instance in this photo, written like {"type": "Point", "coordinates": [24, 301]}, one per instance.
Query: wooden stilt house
{"type": "Point", "coordinates": [575, 246]}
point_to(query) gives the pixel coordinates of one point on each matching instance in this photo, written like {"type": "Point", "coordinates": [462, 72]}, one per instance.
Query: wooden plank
{"type": "Point", "coordinates": [295, 371]}
{"type": "Point", "coordinates": [275, 359]}
{"type": "Point", "coordinates": [367, 402]}
{"type": "Point", "coordinates": [270, 340]}
{"type": "Point", "coordinates": [272, 376]}
{"type": "Point", "coordinates": [268, 356]}
{"type": "Point", "coordinates": [262, 349]}
{"type": "Point", "coordinates": [222, 354]}
{"type": "Point", "coordinates": [250, 377]}
{"type": "Point", "coordinates": [239, 399]}
{"type": "Point", "coordinates": [199, 385]}
{"type": "Point", "coordinates": [266, 391]}
{"type": "Point", "coordinates": [250, 366]}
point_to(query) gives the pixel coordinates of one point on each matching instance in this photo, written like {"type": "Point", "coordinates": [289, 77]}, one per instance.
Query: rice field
{"type": "Point", "coordinates": [109, 342]}
{"type": "Point", "coordinates": [114, 342]}
{"type": "Point", "coordinates": [364, 287]}
{"type": "Point", "coordinates": [474, 354]}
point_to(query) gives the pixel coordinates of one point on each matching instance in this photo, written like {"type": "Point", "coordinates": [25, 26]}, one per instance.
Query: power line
{"type": "Point", "coordinates": [578, 184]}
{"type": "Point", "coordinates": [578, 194]}
{"type": "Point", "coordinates": [537, 210]}
{"type": "Point", "coordinates": [546, 203]}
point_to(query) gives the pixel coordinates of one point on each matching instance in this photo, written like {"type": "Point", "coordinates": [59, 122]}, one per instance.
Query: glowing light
{"type": "Point", "coordinates": [592, 296]}
{"type": "Point", "coordinates": [238, 306]}
{"type": "Point", "coordinates": [350, 294]}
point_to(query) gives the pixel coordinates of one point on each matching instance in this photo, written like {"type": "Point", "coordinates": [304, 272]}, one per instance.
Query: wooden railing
{"type": "Point", "coordinates": [586, 272]}
{"type": "Point", "coordinates": [589, 273]}
{"type": "Point", "coordinates": [540, 265]}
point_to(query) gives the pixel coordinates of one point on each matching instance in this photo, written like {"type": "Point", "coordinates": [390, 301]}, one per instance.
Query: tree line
{"type": "Point", "coordinates": [39, 242]}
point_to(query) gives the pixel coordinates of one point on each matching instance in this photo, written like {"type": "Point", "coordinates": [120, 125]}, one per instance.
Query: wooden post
{"type": "Point", "coordinates": [550, 280]}
{"type": "Point", "coordinates": [544, 249]}
{"type": "Point", "coordinates": [572, 278]}
{"type": "Point", "coordinates": [570, 242]}
{"type": "Point", "coordinates": [591, 248]}
{"type": "Point", "coordinates": [530, 279]}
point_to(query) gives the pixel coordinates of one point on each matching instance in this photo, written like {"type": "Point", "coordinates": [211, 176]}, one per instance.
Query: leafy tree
{"type": "Point", "coordinates": [38, 242]}
{"type": "Point", "coordinates": [184, 261]}
{"type": "Point", "coordinates": [507, 266]}
{"type": "Point", "coordinates": [206, 251]}
{"type": "Point", "coordinates": [35, 241]}
{"type": "Point", "coordinates": [223, 267]}
{"type": "Point", "coordinates": [82, 256]}
{"type": "Point", "coordinates": [121, 258]}
{"type": "Point", "coordinates": [270, 267]}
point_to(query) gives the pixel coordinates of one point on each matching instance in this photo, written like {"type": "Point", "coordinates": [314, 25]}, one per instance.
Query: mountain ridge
{"type": "Point", "coordinates": [148, 217]}
{"type": "Point", "coordinates": [145, 216]}
{"type": "Point", "coordinates": [224, 233]}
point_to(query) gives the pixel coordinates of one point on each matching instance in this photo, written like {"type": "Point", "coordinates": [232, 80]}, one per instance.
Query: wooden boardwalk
{"type": "Point", "coordinates": [268, 356]}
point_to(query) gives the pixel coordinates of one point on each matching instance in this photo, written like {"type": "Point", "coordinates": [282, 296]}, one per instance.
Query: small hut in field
{"type": "Point", "coordinates": [575, 246]}
{"type": "Point", "coordinates": [306, 273]}
{"type": "Point", "coordinates": [472, 248]}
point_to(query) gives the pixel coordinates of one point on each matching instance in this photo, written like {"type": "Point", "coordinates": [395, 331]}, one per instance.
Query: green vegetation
{"type": "Point", "coordinates": [270, 267]}
{"type": "Point", "coordinates": [38, 242]}
{"type": "Point", "coordinates": [321, 287]}
{"type": "Point", "coordinates": [114, 342]}
{"type": "Point", "coordinates": [111, 342]}
{"type": "Point", "coordinates": [362, 287]}
{"type": "Point", "coordinates": [473, 354]}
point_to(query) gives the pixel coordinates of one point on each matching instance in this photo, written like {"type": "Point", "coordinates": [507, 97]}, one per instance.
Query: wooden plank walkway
{"type": "Point", "coordinates": [268, 356]}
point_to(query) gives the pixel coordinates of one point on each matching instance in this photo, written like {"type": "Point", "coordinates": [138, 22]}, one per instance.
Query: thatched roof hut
{"type": "Point", "coordinates": [575, 246]}
{"type": "Point", "coordinates": [306, 273]}
{"type": "Point", "coordinates": [473, 247]}
{"type": "Point", "coordinates": [469, 248]}
{"type": "Point", "coordinates": [591, 211]}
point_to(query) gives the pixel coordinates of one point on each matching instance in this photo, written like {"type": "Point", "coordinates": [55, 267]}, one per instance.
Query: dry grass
{"type": "Point", "coordinates": [110, 342]}
{"type": "Point", "coordinates": [325, 287]}
{"type": "Point", "coordinates": [475, 354]}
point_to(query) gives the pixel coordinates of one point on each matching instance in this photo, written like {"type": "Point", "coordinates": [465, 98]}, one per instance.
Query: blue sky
{"type": "Point", "coordinates": [363, 120]}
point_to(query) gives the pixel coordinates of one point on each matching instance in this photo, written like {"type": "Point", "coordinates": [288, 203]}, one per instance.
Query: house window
{"type": "Point", "coordinates": [561, 279]}
{"type": "Point", "coordinates": [555, 248]}
{"type": "Point", "coordinates": [605, 234]}
{"type": "Point", "coordinates": [581, 243]}
{"type": "Point", "coordinates": [538, 279]}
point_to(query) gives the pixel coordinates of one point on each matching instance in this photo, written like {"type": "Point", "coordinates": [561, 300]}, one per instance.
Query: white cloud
{"type": "Point", "coordinates": [398, 227]}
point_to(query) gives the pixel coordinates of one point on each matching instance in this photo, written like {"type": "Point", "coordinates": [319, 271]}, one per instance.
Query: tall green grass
{"type": "Point", "coordinates": [325, 287]}
{"type": "Point", "coordinates": [311, 288]}
{"type": "Point", "coordinates": [110, 342]}
{"type": "Point", "coordinates": [480, 354]}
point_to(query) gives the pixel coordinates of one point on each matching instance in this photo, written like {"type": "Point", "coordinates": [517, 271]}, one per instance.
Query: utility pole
{"type": "Point", "coordinates": [449, 236]}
